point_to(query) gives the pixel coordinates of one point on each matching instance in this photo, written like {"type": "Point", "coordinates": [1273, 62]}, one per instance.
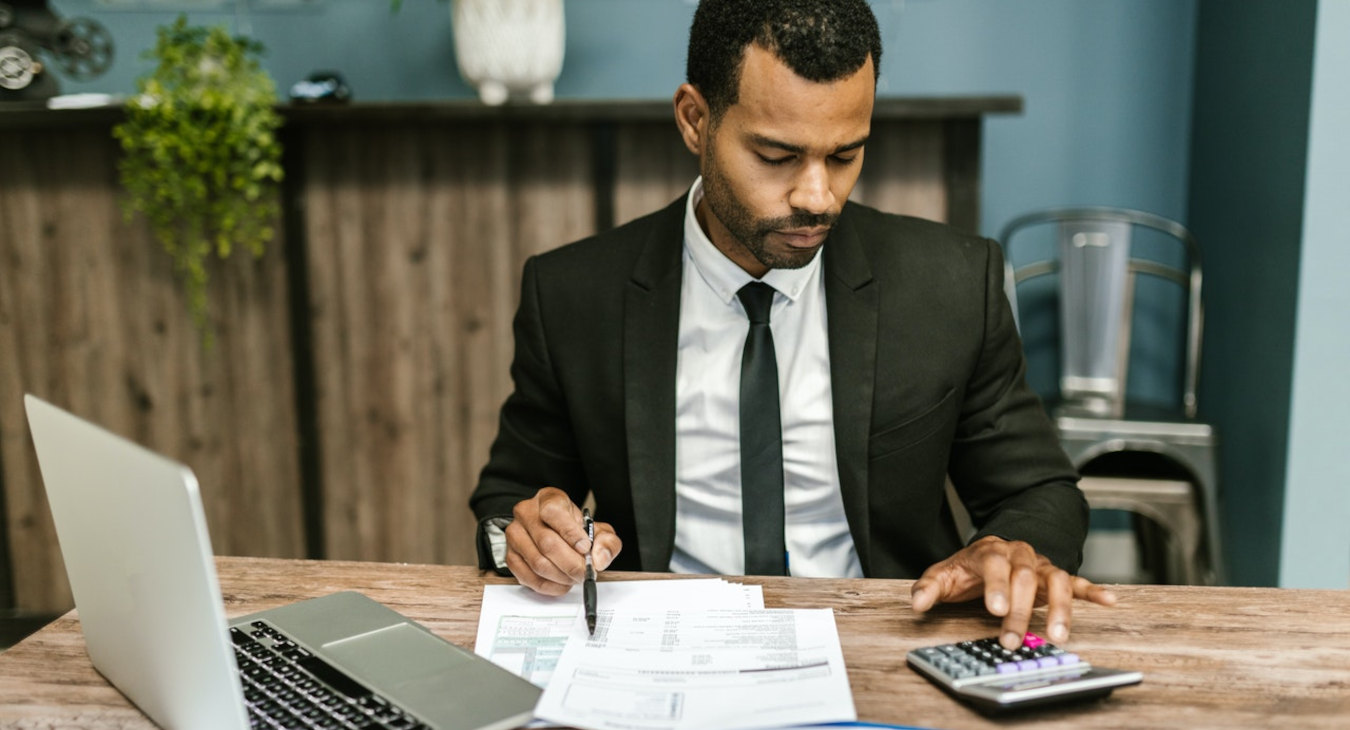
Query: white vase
{"type": "Point", "coordinates": [509, 46]}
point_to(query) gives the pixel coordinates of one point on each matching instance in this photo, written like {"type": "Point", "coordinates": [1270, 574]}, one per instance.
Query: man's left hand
{"type": "Point", "coordinates": [1014, 579]}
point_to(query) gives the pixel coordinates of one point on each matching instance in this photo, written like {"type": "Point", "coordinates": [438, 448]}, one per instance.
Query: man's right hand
{"type": "Point", "coordinates": [546, 543]}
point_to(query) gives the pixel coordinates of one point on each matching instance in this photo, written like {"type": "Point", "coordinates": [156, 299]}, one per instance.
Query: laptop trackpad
{"type": "Point", "coordinates": [420, 670]}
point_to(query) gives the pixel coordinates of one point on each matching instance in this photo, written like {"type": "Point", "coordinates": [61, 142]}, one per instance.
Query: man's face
{"type": "Point", "coordinates": [779, 164]}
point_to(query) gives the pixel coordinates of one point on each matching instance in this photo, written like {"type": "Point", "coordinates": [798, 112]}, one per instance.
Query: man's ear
{"type": "Point", "coordinates": [692, 117]}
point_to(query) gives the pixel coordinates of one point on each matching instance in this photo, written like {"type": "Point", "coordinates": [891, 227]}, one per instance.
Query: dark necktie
{"type": "Point", "coordinates": [761, 440]}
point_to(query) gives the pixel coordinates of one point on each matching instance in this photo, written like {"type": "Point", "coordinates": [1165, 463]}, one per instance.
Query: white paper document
{"type": "Point", "coordinates": [525, 632]}
{"type": "Point", "coordinates": [675, 669]}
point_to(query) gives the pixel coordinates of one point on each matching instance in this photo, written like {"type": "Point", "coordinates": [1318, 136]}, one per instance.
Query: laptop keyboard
{"type": "Point", "coordinates": [287, 687]}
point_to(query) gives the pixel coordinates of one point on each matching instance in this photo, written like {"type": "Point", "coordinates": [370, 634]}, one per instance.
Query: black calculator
{"type": "Point", "coordinates": [994, 679]}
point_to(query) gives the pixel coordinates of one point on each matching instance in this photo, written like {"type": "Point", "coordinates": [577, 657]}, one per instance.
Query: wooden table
{"type": "Point", "coordinates": [1211, 657]}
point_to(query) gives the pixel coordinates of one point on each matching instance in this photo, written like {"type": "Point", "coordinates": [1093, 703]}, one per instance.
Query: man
{"type": "Point", "coordinates": [639, 363]}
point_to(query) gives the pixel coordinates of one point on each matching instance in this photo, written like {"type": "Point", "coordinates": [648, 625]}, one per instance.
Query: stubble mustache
{"type": "Point", "coordinates": [798, 220]}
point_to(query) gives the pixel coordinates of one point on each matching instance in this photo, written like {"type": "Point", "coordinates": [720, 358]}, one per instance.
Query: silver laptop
{"type": "Point", "coordinates": [134, 538]}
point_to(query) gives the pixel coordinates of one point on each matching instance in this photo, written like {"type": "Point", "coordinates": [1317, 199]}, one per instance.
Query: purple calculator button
{"type": "Point", "coordinates": [1028, 664]}
{"type": "Point", "coordinates": [1047, 661]}
{"type": "Point", "coordinates": [1008, 668]}
{"type": "Point", "coordinates": [1067, 658]}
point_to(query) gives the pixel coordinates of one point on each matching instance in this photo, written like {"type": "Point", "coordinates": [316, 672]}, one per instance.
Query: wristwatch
{"type": "Point", "coordinates": [492, 544]}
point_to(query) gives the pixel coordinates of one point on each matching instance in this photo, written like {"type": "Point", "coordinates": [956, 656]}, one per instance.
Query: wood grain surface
{"type": "Point", "coordinates": [416, 243]}
{"type": "Point", "coordinates": [93, 320]}
{"type": "Point", "coordinates": [1211, 657]}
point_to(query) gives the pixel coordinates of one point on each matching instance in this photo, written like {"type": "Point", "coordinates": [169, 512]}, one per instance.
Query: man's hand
{"type": "Point", "coordinates": [546, 543]}
{"type": "Point", "coordinates": [1014, 579]}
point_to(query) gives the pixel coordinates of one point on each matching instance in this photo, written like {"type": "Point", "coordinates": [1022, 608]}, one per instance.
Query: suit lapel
{"type": "Point", "coordinates": [651, 341]}
{"type": "Point", "coordinates": [851, 310]}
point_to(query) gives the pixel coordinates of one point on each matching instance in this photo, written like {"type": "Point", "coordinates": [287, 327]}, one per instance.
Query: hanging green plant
{"type": "Point", "coordinates": [201, 158]}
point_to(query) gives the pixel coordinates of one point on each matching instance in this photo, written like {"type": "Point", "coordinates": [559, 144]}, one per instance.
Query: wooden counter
{"type": "Point", "coordinates": [1211, 657]}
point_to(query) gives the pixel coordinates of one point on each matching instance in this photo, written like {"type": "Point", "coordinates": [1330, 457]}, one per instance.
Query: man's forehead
{"type": "Point", "coordinates": [775, 104]}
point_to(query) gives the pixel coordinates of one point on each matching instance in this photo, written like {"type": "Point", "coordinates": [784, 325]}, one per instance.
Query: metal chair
{"type": "Point", "coordinates": [1096, 292]}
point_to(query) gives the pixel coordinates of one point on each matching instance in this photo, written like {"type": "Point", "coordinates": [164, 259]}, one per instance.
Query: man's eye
{"type": "Point", "coordinates": [842, 160]}
{"type": "Point", "coordinates": [774, 160]}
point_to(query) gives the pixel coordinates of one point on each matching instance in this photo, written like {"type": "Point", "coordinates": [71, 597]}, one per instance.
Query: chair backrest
{"type": "Point", "coordinates": [1097, 276]}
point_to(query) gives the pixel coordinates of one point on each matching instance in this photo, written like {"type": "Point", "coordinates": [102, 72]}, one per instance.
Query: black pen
{"type": "Point", "coordinates": [588, 586]}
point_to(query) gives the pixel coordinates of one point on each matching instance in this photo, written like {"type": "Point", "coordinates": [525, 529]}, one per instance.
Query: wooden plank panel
{"type": "Point", "coordinates": [962, 175]}
{"type": "Point", "coordinates": [652, 168]}
{"type": "Point", "coordinates": [348, 186]}
{"type": "Point", "coordinates": [903, 169]}
{"type": "Point", "coordinates": [92, 319]}
{"type": "Point", "coordinates": [415, 259]}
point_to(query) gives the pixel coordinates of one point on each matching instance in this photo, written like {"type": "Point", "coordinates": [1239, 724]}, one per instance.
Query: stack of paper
{"type": "Point", "coordinates": [671, 654]}
{"type": "Point", "coordinates": [525, 632]}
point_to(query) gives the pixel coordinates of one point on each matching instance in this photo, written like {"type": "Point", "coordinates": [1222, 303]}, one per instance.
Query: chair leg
{"type": "Point", "coordinates": [1202, 462]}
{"type": "Point", "coordinates": [1171, 536]}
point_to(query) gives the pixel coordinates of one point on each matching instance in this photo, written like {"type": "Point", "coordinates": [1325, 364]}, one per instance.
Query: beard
{"type": "Point", "coordinates": [751, 233]}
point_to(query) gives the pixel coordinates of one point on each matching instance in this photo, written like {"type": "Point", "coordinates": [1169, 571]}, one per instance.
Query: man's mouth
{"type": "Point", "coordinates": [804, 237]}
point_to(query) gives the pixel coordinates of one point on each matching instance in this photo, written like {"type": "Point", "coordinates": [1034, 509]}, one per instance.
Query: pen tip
{"type": "Point", "coordinates": [590, 625]}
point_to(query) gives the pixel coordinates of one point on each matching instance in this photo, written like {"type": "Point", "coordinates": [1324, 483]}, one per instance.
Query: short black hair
{"type": "Point", "coordinates": [820, 40]}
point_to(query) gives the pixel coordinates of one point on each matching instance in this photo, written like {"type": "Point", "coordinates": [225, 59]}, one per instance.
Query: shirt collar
{"type": "Point", "coordinates": [725, 276]}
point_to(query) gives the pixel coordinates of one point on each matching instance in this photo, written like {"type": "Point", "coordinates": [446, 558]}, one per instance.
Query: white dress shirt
{"type": "Point", "coordinates": [713, 327]}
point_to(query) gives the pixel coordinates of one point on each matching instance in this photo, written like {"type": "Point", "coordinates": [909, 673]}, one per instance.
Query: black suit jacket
{"type": "Point", "coordinates": [927, 376]}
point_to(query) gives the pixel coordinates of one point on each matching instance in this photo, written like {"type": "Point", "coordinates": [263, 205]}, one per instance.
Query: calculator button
{"type": "Point", "coordinates": [1007, 668]}
{"type": "Point", "coordinates": [1032, 641]}
{"type": "Point", "coordinates": [1067, 658]}
{"type": "Point", "coordinates": [1028, 664]}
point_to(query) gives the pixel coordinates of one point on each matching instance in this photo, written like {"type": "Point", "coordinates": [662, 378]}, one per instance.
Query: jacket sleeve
{"type": "Point", "coordinates": [535, 445]}
{"type": "Point", "coordinates": [1007, 464]}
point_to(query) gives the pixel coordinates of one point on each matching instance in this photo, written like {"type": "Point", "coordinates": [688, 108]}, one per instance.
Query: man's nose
{"type": "Point", "coordinates": [811, 190]}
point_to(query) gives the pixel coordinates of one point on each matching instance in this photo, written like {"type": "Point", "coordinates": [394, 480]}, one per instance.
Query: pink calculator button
{"type": "Point", "coordinates": [1032, 641]}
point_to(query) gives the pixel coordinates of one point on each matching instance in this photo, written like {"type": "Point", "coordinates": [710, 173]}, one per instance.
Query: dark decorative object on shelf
{"type": "Point", "coordinates": [29, 30]}
{"type": "Point", "coordinates": [326, 87]}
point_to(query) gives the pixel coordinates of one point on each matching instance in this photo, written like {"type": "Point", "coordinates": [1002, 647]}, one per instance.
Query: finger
{"type": "Point", "coordinates": [923, 595]}
{"type": "Point", "coordinates": [1089, 591]}
{"type": "Point", "coordinates": [936, 584]}
{"type": "Point", "coordinates": [1023, 587]}
{"type": "Point", "coordinates": [544, 553]}
{"type": "Point", "coordinates": [520, 568]}
{"type": "Point", "coordinates": [951, 580]}
{"type": "Point", "coordinates": [996, 572]}
{"type": "Point", "coordinates": [543, 516]}
{"type": "Point", "coordinates": [607, 546]}
{"type": "Point", "coordinates": [1058, 588]}
{"type": "Point", "coordinates": [560, 514]}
